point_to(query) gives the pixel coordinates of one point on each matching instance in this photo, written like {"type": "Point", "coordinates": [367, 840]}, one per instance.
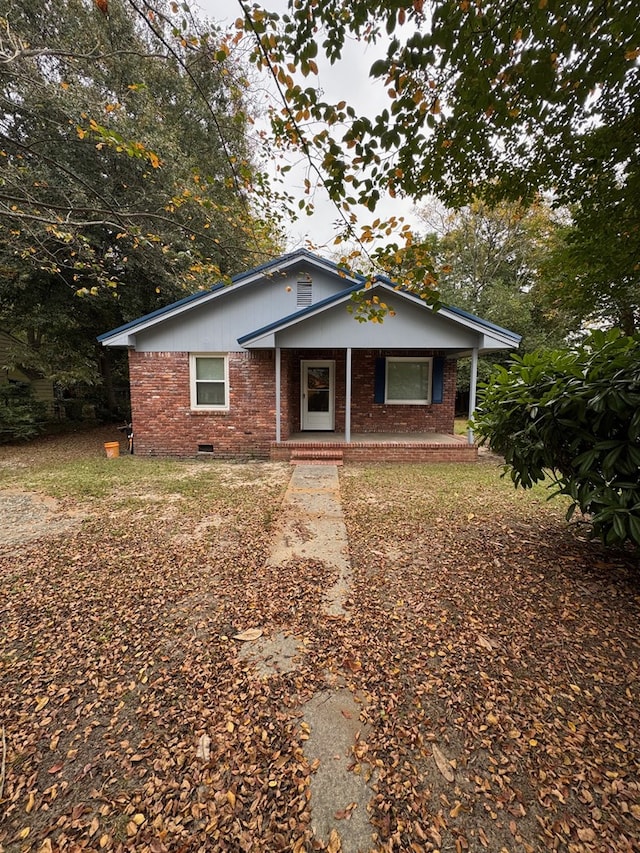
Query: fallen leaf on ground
{"type": "Point", "coordinates": [203, 751]}
{"type": "Point", "coordinates": [249, 635]}
{"type": "Point", "coordinates": [442, 763]}
{"type": "Point", "coordinates": [335, 844]}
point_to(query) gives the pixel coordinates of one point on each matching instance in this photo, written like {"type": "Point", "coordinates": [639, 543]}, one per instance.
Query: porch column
{"type": "Point", "coordinates": [472, 390]}
{"type": "Point", "coordinates": [347, 397]}
{"type": "Point", "coordinates": [278, 406]}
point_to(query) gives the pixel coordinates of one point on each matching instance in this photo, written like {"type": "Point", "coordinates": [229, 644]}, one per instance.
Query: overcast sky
{"type": "Point", "coordinates": [348, 81]}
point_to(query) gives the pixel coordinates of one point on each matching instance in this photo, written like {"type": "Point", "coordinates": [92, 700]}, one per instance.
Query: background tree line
{"type": "Point", "coordinates": [491, 107]}
{"type": "Point", "coordinates": [129, 178]}
{"type": "Point", "coordinates": [487, 103]}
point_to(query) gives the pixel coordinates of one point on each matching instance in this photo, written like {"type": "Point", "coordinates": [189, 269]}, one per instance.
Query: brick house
{"type": "Point", "coordinates": [275, 366]}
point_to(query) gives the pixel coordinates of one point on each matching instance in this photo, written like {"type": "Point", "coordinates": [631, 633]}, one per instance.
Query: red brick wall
{"type": "Point", "coordinates": [289, 402]}
{"type": "Point", "coordinates": [407, 453]}
{"type": "Point", "coordinates": [165, 425]}
{"type": "Point", "coordinates": [367, 416]}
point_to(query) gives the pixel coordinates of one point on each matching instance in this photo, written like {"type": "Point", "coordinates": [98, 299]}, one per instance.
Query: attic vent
{"type": "Point", "coordinates": [304, 294]}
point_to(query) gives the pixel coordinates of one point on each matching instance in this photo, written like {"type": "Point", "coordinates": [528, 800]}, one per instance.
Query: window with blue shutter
{"type": "Point", "coordinates": [378, 383]}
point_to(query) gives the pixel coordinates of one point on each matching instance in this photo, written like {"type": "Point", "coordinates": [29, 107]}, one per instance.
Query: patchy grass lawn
{"type": "Point", "coordinates": [461, 426]}
{"type": "Point", "coordinates": [495, 654]}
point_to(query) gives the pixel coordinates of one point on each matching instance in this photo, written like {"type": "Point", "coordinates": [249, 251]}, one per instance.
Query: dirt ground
{"type": "Point", "coordinates": [27, 516]}
{"type": "Point", "coordinates": [492, 653]}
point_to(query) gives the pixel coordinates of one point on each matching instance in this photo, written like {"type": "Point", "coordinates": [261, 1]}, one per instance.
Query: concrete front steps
{"type": "Point", "coordinates": [316, 456]}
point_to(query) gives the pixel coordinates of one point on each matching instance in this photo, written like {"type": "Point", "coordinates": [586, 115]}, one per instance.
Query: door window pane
{"type": "Point", "coordinates": [318, 401]}
{"type": "Point", "coordinates": [318, 377]}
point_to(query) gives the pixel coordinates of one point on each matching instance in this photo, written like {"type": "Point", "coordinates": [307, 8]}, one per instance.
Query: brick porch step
{"type": "Point", "coordinates": [315, 456]}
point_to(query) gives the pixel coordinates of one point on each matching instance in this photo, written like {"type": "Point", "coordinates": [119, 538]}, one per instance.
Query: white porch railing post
{"type": "Point", "coordinates": [473, 382]}
{"type": "Point", "coordinates": [278, 402]}
{"type": "Point", "coordinates": [347, 394]}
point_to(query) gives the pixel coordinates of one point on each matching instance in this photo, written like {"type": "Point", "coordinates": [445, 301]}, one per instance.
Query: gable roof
{"type": "Point", "coordinates": [270, 268]}
{"type": "Point", "coordinates": [491, 335]}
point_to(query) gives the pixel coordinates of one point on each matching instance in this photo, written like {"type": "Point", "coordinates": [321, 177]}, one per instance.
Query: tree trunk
{"type": "Point", "coordinates": [627, 320]}
{"type": "Point", "coordinates": [104, 361]}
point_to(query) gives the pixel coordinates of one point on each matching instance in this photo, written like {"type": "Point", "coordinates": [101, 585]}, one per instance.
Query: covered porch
{"type": "Point", "coordinates": [356, 422]}
{"type": "Point", "coordinates": [346, 391]}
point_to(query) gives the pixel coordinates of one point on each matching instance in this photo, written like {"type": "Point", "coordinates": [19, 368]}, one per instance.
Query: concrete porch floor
{"type": "Point", "coordinates": [375, 438]}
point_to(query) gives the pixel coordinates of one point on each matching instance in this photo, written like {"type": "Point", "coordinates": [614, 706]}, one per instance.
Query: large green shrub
{"type": "Point", "coordinates": [573, 415]}
{"type": "Point", "coordinates": [21, 416]}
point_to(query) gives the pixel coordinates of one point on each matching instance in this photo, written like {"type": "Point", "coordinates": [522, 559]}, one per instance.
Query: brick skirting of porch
{"type": "Point", "coordinates": [370, 450]}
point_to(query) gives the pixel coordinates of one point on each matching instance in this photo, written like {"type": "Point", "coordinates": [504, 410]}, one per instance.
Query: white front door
{"type": "Point", "coordinates": [318, 395]}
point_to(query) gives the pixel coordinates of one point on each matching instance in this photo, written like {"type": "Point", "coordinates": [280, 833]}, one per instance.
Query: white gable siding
{"type": "Point", "coordinates": [215, 326]}
{"type": "Point", "coordinates": [413, 326]}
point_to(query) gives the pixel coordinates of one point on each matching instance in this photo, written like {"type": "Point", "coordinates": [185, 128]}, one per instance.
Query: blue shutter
{"type": "Point", "coordinates": [437, 387]}
{"type": "Point", "coordinates": [379, 379]}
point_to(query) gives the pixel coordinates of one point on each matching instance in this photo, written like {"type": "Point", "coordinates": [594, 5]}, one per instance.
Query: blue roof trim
{"type": "Point", "coordinates": [304, 312]}
{"type": "Point", "coordinates": [489, 325]}
{"type": "Point", "coordinates": [236, 279]}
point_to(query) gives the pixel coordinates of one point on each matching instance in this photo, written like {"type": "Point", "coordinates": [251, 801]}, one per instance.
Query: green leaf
{"type": "Point", "coordinates": [634, 528]}
{"type": "Point", "coordinates": [379, 68]}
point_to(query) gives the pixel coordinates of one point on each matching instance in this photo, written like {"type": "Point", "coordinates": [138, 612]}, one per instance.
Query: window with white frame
{"type": "Point", "coordinates": [209, 381]}
{"type": "Point", "coordinates": [408, 381]}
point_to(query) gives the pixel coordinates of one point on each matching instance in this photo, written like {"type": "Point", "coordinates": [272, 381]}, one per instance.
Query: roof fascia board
{"type": "Point", "coordinates": [495, 333]}
{"type": "Point", "coordinates": [457, 315]}
{"type": "Point", "coordinates": [487, 326]}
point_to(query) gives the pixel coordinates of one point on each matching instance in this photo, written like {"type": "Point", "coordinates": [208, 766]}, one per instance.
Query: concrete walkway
{"type": "Point", "coordinates": [312, 527]}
